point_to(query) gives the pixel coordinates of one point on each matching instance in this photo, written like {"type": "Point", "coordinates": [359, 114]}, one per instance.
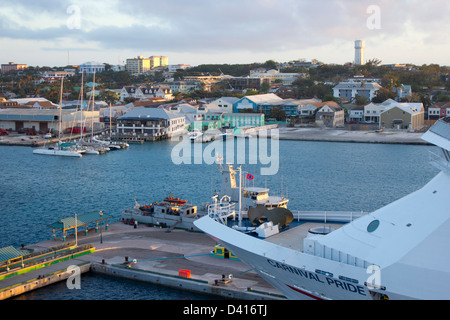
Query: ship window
{"type": "Point", "coordinates": [373, 226]}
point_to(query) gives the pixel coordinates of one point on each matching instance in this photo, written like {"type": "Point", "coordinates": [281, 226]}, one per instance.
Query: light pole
{"type": "Point", "coordinates": [101, 222]}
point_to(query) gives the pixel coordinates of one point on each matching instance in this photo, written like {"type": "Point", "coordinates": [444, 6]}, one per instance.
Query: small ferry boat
{"type": "Point", "coordinates": [171, 213]}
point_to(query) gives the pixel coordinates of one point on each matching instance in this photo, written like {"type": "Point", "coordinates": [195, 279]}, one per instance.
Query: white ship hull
{"type": "Point", "coordinates": [409, 248]}
{"type": "Point", "coordinates": [179, 222]}
{"type": "Point", "coordinates": [56, 152]}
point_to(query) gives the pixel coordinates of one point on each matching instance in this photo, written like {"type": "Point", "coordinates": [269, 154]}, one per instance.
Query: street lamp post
{"type": "Point", "coordinates": [101, 222]}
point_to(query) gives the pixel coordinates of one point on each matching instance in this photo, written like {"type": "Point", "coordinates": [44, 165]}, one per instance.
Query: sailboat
{"type": "Point", "coordinates": [60, 149]}
{"type": "Point", "coordinates": [112, 145]}
{"type": "Point", "coordinates": [92, 146]}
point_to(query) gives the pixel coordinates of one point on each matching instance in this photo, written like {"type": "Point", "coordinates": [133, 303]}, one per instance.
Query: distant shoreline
{"type": "Point", "coordinates": [287, 133]}
{"type": "Point", "coordinates": [340, 135]}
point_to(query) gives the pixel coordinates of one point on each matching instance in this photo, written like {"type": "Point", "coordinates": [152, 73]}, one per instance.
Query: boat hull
{"type": "Point", "coordinates": [170, 221]}
{"type": "Point", "coordinates": [56, 152]}
{"type": "Point", "coordinates": [298, 276]}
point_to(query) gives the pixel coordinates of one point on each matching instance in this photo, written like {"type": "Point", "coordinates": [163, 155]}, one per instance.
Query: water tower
{"type": "Point", "coordinates": [359, 52]}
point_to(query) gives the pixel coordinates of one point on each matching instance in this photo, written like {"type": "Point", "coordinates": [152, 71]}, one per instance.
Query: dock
{"type": "Point", "coordinates": [178, 259]}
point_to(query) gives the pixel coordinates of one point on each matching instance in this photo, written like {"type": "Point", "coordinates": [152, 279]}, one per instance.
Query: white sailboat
{"type": "Point", "coordinates": [60, 149]}
{"type": "Point", "coordinates": [112, 145]}
{"type": "Point", "coordinates": [399, 251]}
{"type": "Point", "coordinates": [92, 147]}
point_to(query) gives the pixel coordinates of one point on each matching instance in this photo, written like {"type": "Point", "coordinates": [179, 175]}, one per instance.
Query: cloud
{"type": "Point", "coordinates": [220, 26]}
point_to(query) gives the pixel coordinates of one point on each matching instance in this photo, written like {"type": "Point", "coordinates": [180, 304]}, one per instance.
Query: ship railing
{"type": "Point", "coordinates": [328, 216]}
{"type": "Point", "coordinates": [439, 162]}
{"type": "Point", "coordinates": [221, 211]}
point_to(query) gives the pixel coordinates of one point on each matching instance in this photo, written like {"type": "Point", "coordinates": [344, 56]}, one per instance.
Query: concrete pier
{"type": "Point", "coordinates": [152, 255]}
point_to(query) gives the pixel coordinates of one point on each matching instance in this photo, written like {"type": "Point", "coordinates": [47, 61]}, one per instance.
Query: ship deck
{"type": "Point", "coordinates": [292, 238]}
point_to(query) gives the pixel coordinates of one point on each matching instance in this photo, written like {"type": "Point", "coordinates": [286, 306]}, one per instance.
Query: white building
{"type": "Point", "coordinates": [151, 122]}
{"type": "Point", "coordinates": [225, 103]}
{"type": "Point", "coordinates": [276, 76]}
{"type": "Point", "coordinates": [92, 67]}
{"type": "Point", "coordinates": [350, 89]}
{"type": "Point", "coordinates": [373, 111]}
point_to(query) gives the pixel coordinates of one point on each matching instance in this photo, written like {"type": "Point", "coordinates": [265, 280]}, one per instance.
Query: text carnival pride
{"type": "Point", "coordinates": [312, 276]}
{"type": "Point", "coordinates": [240, 309]}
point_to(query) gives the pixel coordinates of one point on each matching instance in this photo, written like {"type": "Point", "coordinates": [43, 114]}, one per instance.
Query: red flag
{"type": "Point", "coordinates": [249, 176]}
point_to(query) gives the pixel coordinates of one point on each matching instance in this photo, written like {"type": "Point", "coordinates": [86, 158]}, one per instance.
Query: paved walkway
{"type": "Point", "coordinates": [157, 250]}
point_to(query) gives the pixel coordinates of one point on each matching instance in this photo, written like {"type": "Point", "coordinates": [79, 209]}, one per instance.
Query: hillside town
{"type": "Point", "coordinates": [174, 99]}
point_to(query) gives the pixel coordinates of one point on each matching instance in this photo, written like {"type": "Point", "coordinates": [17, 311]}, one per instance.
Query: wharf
{"type": "Point", "coordinates": [153, 255]}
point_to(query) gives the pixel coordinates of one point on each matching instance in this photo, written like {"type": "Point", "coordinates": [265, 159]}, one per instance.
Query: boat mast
{"type": "Point", "coordinates": [240, 196]}
{"type": "Point", "coordinates": [60, 112]}
{"type": "Point", "coordinates": [110, 123]}
{"type": "Point", "coordinates": [92, 114]}
{"type": "Point", "coordinates": [81, 106]}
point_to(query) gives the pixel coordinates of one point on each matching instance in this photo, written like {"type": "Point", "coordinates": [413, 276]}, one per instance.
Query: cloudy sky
{"type": "Point", "coordinates": [55, 32]}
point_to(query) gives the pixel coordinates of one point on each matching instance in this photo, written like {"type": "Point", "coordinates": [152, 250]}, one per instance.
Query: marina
{"type": "Point", "coordinates": [114, 200]}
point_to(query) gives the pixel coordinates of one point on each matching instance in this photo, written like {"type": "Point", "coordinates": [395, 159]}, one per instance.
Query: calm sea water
{"type": "Point", "coordinates": [39, 190]}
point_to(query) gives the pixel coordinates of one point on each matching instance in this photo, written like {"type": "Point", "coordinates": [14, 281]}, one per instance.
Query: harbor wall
{"type": "Point", "coordinates": [181, 283]}
{"type": "Point", "coordinates": [39, 282]}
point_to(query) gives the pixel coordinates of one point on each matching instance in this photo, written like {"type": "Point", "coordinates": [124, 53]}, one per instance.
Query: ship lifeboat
{"type": "Point", "coordinates": [175, 200]}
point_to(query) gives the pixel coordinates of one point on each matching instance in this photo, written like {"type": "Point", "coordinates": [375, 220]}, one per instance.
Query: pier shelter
{"type": "Point", "coordinates": [82, 220]}
{"type": "Point", "coordinates": [9, 255]}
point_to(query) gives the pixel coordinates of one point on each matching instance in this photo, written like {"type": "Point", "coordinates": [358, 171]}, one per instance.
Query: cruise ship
{"type": "Point", "coordinates": [400, 251]}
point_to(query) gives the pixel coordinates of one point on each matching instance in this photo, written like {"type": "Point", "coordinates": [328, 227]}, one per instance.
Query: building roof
{"type": "Point", "coordinates": [149, 113]}
{"type": "Point", "coordinates": [411, 108]}
{"type": "Point", "coordinates": [68, 223]}
{"type": "Point", "coordinates": [92, 63]}
{"type": "Point", "coordinates": [262, 98]}
{"type": "Point", "coordinates": [357, 85]}
{"type": "Point", "coordinates": [441, 105]}
{"type": "Point", "coordinates": [9, 253]}
{"type": "Point", "coordinates": [228, 99]}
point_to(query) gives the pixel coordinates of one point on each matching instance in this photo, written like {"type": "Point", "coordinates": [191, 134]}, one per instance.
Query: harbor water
{"type": "Point", "coordinates": [37, 191]}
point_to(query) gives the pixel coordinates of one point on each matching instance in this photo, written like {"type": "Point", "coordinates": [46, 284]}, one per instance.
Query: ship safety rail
{"type": "Point", "coordinates": [327, 216]}
{"type": "Point", "coordinates": [222, 210]}
{"type": "Point", "coordinates": [440, 162]}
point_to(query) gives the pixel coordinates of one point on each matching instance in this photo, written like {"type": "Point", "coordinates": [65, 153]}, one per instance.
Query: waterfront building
{"type": "Point", "coordinates": [356, 114]}
{"type": "Point", "coordinates": [239, 120]}
{"type": "Point", "coordinates": [152, 123]}
{"type": "Point", "coordinates": [138, 65]}
{"type": "Point", "coordinates": [12, 67]}
{"type": "Point", "coordinates": [89, 68]}
{"type": "Point", "coordinates": [403, 116]}
{"type": "Point", "coordinates": [255, 102]}
{"type": "Point", "coordinates": [331, 115]}
{"type": "Point", "coordinates": [44, 119]}
{"type": "Point", "coordinates": [225, 103]}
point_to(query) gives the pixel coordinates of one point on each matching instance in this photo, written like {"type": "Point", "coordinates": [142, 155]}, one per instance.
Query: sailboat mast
{"type": "Point", "coordinates": [110, 124]}
{"type": "Point", "coordinates": [60, 112]}
{"type": "Point", "coordinates": [81, 106]}
{"type": "Point", "coordinates": [92, 114]}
